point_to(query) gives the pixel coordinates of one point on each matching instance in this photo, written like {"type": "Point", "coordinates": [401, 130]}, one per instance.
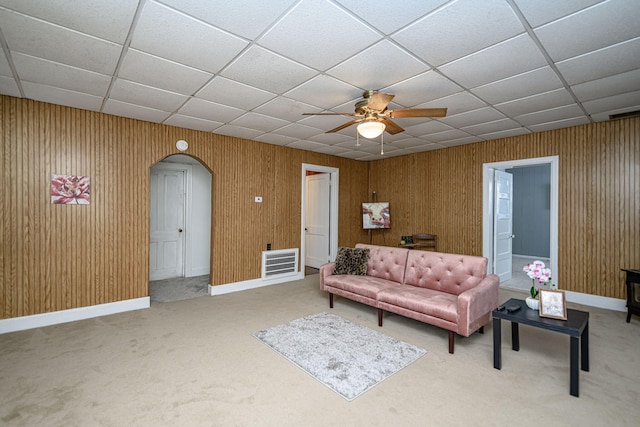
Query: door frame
{"type": "Point", "coordinates": [333, 210]}
{"type": "Point", "coordinates": [488, 211]}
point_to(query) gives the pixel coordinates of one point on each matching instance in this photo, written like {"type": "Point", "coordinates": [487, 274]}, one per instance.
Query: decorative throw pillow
{"type": "Point", "coordinates": [351, 261]}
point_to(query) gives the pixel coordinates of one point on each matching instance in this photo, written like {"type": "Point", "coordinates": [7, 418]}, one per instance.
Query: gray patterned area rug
{"type": "Point", "coordinates": [348, 358]}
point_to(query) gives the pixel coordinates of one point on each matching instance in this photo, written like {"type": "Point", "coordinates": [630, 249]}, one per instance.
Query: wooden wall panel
{"type": "Point", "coordinates": [599, 208]}
{"type": "Point", "coordinates": [56, 257]}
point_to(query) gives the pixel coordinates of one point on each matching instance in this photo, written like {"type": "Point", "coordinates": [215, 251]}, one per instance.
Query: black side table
{"type": "Point", "coordinates": [633, 292]}
{"type": "Point", "coordinates": [576, 326]}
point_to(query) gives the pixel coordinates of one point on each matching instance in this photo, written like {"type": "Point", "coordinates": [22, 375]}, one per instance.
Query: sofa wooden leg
{"type": "Point", "coordinates": [330, 300]}
{"type": "Point", "coordinates": [481, 330]}
{"type": "Point", "coordinates": [451, 339]}
{"type": "Point", "coordinates": [380, 312]}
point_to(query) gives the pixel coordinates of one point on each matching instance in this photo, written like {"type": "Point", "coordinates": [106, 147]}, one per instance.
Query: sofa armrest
{"type": "Point", "coordinates": [476, 303]}
{"type": "Point", "coordinates": [325, 270]}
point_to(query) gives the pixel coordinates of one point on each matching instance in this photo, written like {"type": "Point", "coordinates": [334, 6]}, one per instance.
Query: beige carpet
{"type": "Point", "coordinates": [195, 363]}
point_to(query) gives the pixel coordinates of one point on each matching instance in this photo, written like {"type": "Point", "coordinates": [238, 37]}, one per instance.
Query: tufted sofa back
{"type": "Point", "coordinates": [386, 262]}
{"type": "Point", "coordinates": [444, 272]}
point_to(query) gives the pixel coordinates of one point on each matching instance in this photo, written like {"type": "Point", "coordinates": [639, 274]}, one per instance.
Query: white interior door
{"type": "Point", "coordinates": [317, 208]}
{"type": "Point", "coordinates": [503, 224]}
{"type": "Point", "coordinates": [166, 224]}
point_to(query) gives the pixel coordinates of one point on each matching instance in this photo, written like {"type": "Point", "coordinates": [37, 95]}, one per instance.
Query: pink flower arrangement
{"type": "Point", "coordinates": [539, 274]}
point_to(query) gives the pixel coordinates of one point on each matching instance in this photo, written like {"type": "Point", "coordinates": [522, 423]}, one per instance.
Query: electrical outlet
{"type": "Point", "coordinates": [258, 199]}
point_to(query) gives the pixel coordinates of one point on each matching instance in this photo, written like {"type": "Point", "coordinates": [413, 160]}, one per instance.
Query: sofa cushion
{"type": "Point", "coordinates": [421, 300]}
{"type": "Point", "coordinates": [386, 262]}
{"type": "Point", "coordinates": [360, 285]}
{"type": "Point", "coordinates": [450, 273]}
{"type": "Point", "coordinates": [351, 261]}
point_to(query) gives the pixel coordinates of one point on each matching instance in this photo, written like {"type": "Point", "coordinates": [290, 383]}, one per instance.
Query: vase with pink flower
{"type": "Point", "coordinates": [540, 276]}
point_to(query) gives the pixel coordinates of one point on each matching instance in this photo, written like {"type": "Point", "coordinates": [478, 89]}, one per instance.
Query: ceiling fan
{"type": "Point", "coordinates": [374, 117]}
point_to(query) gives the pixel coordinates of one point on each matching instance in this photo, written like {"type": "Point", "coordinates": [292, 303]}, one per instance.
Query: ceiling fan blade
{"type": "Point", "coordinates": [391, 127]}
{"type": "Point", "coordinates": [346, 125]}
{"type": "Point", "coordinates": [329, 114]}
{"type": "Point", "coordinates": [379, 100]}
{"type": "Point", "coordinates": [418, 112]}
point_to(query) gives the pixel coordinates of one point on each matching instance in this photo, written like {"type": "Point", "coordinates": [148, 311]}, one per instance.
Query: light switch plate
{"type": "Point", "coordinates": [258, 199]}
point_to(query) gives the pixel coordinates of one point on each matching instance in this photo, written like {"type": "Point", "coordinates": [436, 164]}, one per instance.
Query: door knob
{"type": "Point", "coordinates": [179, 230]}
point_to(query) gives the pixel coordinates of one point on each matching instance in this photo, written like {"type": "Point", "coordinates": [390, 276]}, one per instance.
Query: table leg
{"type": "Point", "coordinates": [515, 336]}
{"type": "Point", "coordinates": [573, 366]}
{"type": "Point", "coordinates": [497, 342]}
{"type": "Point", "coordinates": [584, 348]}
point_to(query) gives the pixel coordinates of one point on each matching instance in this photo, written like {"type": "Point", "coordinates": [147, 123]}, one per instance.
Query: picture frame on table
{"type": "Point", "coordinates": [553, 304]}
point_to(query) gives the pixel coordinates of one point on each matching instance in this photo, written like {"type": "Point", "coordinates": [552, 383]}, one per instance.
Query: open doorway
{"type": "Point", "coordinates": [539, 175]}
{"type": "Point", "coordinates": [319, 234]}
{"type": "Point", "coordinates": [180, 229]}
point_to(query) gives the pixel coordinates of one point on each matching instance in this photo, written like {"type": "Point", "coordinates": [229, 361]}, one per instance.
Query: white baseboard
{"type": "Point", "coordinates": [251, 284]}
{"type": "Point", "coordinates": [63, 316]}
{"type": "Point", "coordinates": [597, 301]}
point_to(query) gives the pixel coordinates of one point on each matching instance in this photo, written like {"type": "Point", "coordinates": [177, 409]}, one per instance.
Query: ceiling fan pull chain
{"type": "Point", "coordinates": [357, 139]}
{"type": "Point", "coordinates": [382, 144]}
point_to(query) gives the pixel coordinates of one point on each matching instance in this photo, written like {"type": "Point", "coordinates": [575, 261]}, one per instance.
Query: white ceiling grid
{"type": "Point", "coordinates": [250, 68]}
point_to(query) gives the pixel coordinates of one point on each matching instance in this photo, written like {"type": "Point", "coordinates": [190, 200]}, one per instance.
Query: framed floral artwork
{"type": "Point", "coordinates": [70, 190]}
{"type": "Point", "coordinates": [553, 304]}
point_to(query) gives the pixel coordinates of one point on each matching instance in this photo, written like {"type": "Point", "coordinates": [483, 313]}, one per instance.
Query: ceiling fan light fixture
{"type": "Point", "coordinates": [371, 129]}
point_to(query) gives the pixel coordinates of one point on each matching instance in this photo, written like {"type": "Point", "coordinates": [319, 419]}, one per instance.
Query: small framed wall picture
{"type": "Point", "coordinates": [553, 304]}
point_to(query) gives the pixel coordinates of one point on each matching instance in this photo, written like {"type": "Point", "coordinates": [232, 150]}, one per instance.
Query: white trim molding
{"type": "Point", "coordinates": [251, 284]}
{"type": "Point", "coordinates": [63, 316]}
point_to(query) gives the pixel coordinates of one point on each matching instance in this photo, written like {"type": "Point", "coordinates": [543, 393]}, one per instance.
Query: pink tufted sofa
{"type": "Point", "coordinates": [450, 291]}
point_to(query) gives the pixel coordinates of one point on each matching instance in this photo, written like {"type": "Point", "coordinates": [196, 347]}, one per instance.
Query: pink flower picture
{"type": "Point", "coordinates": [70, 190]}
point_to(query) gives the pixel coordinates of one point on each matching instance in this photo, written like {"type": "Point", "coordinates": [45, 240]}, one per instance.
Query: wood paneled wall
{"type": "Point", "coordinates": [56, 257]}
{"type": "Point", "coordinates": [440, 192]}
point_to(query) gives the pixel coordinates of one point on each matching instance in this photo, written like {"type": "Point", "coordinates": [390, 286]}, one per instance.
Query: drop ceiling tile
{"type": "Point", "coordinates": [551, 115]}
{"type": "Point", "coordinates": [192, 123]}
{"type": "Point", "coordinates": [331, 138]}
{"type": "Point", "coordinates": [473, 117]}
{"type": "Point", "coordinates": [332, 150]}
{"type": "Point", "coordinates": [50, 73]}
{"type": "Point", "coordinates": [378, 66]}
{"type": "Point", "coordinates": [411, 143]}
{"type": "Point", "coordinates": [86, 16]}
{"type": "Point", "coordinates": [299, 131]}
{"type": "Point", "coordinates": [207, 110]}
{"type": "Point", "coordinates": [318, 34]}
{"type": "Point", "coordinates": [559, 124]}
{"type": "Point", "coordinates": [489, 65]}
{"type": "Point", "coordinates": [238, 132]}
{"type": "Point", "coordinates": [286, 109]}
{"type": "Point", "coordinates": [55, 95]}
{"type": "Point", "coordinates": [326, 92]}
{"type": "Point", "coordinates": [624, 100]}
{"type": "Point", "coordinates": [389, 16]}
{"type": "Point", "coordinates": [591, 29]}
{"type": "Point", "coordinates": [256, 18]}
{"type": "Point", "coordinates": [422, 88]}
{"type": "Point", "coordinates": [265, 70]}
{"type": "Point", "coordinates": [450, 135]}
{"type": "Point", "coordinates": [533, 103]}
{"type": "Point", "coordinates": [455, 104]}
{"type": "Point", "coordinates": [612, 85]}
{"type": "Point", "coordinates": [538, 12]}
{"type": "Point", "coordinates": [426, 128]}
{"type": "Point", "coordinates": [234, 94]}
{"type": "Point", "coordinates": [460, 141]}
{"type": "Point", "coordinates": [426, 147]}
{"type": "Point", "coordinates": [459, 29]}
{"type": "Point", "coordinates": [306, 145]}
{"type": "Point", "coordinates": [526, 84]}
{"type": "Point", "coordinates": [8, 86]}
{"type": "Point", "coordinates": [273, 138]}
{"type": "Point", "coordinates": [153, 71]}
{"type": "Point", "coordinates": [171, 35]}
{"type": "Point", "coordinates": [119, 108]}
{"type": "Point", "coordinates": [324, 122]}
{"type": "Point", "coordinates": [602, 63]}
{"type": "Point", "coordinates": [5, 68]}
{"type": "Point", "coordinates": [504, 133]}
{"type": "Point", "coordinates": [260, 122]}
{"type": "Point", "coordinates": [147, 96]}
{"type": "Point", "coordinates": [41, 39]}
{"type": "Point", "coordinates": [489, 127]}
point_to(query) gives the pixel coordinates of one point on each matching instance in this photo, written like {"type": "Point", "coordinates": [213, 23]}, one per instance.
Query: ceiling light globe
{"type": "Point", "coordinates": [371, 129]}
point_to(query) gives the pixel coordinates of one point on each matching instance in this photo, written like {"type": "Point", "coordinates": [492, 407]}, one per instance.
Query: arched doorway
{"type": "Point", "coordinates": [180, 229]}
